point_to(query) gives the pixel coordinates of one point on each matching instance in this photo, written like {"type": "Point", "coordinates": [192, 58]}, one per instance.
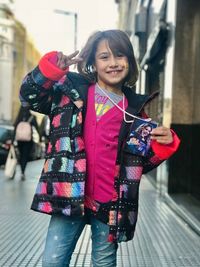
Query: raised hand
{"type": "Point", "coordinates": [162, 135]}
{"type": "Point", "coordinates": [65, 61]}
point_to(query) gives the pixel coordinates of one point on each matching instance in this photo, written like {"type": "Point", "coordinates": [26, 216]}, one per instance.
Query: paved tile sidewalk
{"type": "Point", "coordinates": [161, 240]}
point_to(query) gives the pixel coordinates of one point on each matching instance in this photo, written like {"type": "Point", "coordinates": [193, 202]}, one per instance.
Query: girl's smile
{"type": "Point", "coordinates": [115, 72]}
{"type": "Point", "coordinates": [111, 68]}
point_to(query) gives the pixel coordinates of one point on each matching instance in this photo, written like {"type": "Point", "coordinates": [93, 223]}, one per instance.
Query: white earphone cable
{"type": "Point", "coordinates": [122, 109]}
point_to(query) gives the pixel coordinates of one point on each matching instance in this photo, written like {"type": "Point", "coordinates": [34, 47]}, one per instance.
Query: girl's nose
{"type": "Point", "coordinates": [113, 62]}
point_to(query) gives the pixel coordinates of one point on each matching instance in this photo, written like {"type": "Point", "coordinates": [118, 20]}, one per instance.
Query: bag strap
{"type": "Point", "coordinates": [30, 119]}
{"type": "Point", "coordinates": [12, 151]}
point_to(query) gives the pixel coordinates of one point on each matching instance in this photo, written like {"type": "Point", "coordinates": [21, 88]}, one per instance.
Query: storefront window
{"type": "Point", "coordinates": [156, 5]}
{"type": "Point", "coordinates": [156, 12]}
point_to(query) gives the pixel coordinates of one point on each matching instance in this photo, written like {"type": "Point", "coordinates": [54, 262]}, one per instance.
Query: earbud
{"type": "Point", "coordinates": [93, 69]}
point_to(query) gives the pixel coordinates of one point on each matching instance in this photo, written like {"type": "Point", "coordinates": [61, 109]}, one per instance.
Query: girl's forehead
{"type": "Point", "coordinates": [103, 45]}
{"type": "Point", "coordinates": [108, 46]}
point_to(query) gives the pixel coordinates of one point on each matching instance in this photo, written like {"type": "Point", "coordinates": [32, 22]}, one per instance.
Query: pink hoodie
{"type": "Point", "coordinates": [101, 142]}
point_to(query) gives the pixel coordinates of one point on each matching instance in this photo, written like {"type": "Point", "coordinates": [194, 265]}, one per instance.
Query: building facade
{"type": "Point", "coordinates": [18, 55]}
{"type": "Point", "coordinates": [25, 58]}
{"type": "Point", "coordinates": [6, 62]}
{"type": "Point", "coordinates": [166, 37]}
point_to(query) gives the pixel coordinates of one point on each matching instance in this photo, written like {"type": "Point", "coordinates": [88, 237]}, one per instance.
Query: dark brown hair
{"type": "Point", "coordinates": [118, 42]}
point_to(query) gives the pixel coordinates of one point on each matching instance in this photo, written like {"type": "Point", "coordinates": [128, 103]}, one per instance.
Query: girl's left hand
{"type": "Point", "coordinates": [65, 61]}
{"type": "Point", "coordinates": [162, 135]}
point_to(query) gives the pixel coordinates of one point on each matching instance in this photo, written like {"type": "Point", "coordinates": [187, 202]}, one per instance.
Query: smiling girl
{"type": "Point", "coordinates": [88, 177]}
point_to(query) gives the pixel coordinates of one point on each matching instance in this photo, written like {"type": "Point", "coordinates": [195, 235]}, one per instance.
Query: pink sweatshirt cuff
{"type": "Point", "coordinates": [47, 66]}
{"type": "Point", "coordinates": [165, 151]}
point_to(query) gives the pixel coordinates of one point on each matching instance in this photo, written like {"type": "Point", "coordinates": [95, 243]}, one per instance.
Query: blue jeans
{"type": "Point", "coordinates": [63, 234]}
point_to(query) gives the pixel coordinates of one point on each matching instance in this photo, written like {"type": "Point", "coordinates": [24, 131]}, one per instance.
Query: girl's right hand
{"type": "Point", "coordinates": [64, 61]}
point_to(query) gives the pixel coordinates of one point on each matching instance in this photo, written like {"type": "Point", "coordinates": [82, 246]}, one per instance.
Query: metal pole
{"type": "Point", "coordinates": [75, 31]}
{"type": "Point", "coordinates": [74, 14]}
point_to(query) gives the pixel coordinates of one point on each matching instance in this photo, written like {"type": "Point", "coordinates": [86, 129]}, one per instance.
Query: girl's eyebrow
{"type": "Point", "coordinates": [103, 53]}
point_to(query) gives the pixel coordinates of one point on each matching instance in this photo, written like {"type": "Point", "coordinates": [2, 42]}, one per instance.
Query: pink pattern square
{"type": "Point", "coordinates": [134, 173]}
{"type": "Point", "coordinates": [56, 121]}
{"type": "Point", "coordinates": [41, 188]}
{"type": "Point", "coordinates": [64, 101]}
{"type": "Point", "coordinates": [155, 159]}
{"type": "Point", "coordinates": [80, 165]}
{"type": "Point", "coordinates": [62, 189]}
{"type": "Point", "coordinates": [45, 207]}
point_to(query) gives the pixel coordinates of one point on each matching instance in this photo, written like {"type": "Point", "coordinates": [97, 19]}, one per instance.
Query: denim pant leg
{"type": "Point", "coordinates": [104, 253]}
{"type": "Point", "coordinates": [62, 236]}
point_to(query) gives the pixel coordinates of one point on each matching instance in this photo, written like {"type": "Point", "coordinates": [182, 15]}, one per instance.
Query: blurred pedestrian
{"type": "Point", "coordinates": [45, 130]}
{"type": "Point", "coordinates": [23, 135]}
{"type": "Point", "coordinates": [91, 113]}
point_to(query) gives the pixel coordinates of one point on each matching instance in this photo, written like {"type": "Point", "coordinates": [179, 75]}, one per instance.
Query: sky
{"type": "Point", "coordinates": [52, 31]}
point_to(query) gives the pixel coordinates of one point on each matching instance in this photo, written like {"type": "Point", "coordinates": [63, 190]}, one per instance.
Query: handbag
{"type": "Point", "coordinates": [11, 163]}
{"type": "Point", "coordinates": [24, 131]}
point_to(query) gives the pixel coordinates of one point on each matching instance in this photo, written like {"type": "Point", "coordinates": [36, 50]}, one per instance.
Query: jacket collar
{"type": "Point", "coordinates": [136, 102]}
{"type": "Point", "coordinates": [76, 87]}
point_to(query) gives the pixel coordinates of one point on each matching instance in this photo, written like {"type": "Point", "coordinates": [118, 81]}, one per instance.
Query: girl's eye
{"type": "Point", "coordinates": [120, 55]}
{"type": "Point", "coordinates": [103, 57]}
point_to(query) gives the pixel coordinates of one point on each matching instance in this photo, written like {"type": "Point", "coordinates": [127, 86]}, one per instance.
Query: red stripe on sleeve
{"type": "Point", "coordinates": [47, 66]}
{"type": "Point", "coordinates": [166, 151]}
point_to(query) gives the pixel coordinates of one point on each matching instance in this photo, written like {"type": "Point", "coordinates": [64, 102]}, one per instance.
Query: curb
{"type": "Point", "coordinates": [185, 215]}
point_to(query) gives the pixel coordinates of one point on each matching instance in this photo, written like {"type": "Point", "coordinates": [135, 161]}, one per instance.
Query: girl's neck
{"type": "Point", "coordinates": [113, 89]}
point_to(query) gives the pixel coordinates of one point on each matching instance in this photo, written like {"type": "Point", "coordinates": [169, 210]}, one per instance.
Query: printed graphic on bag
{"type": "Point", "coordinates": [140, 137]}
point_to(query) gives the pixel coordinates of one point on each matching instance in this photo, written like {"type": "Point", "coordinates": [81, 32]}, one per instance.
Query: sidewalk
{"type": "Point", "coordinates": [162, 239]}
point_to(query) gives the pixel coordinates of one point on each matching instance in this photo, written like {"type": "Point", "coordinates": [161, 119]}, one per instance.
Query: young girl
{"type": "Point", "coordinates": [88, 178]}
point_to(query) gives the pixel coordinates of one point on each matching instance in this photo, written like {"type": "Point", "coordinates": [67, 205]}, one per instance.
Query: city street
{"type": "Point", "coordinates": [162, 239]}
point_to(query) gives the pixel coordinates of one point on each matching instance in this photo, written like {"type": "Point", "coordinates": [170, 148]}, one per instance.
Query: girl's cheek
{"type": "Point", "coordinates": [126, 65]}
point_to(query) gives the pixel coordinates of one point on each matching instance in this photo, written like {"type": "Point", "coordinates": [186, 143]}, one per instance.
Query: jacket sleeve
{"type": "Point", "coordinates": [37, 88]}
{"type": "Point", "coordinates": [159, 153]}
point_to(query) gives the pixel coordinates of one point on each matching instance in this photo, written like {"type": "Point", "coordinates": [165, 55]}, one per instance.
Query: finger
{"type": "Point", "coordinates": [158, 139]}
{"type": "Point", "coordinates": [73, 61]}
{"type": "Point", "coordinates": [66, 61]}
{"type": "Point", "coordinates": [59, 55]}
{"type": "Point", "coordinates": [157, 130]}
{"type": "Point", "coordinates": [160, 131]}
{"type": "Point", "coordinates": [163, 139]}
{"type": "Point", "coordinates": [76, 60]}
{"type": "Point", "coordinates": [73, 54]}
{"type": "Point", "coordinates": [63, 65]}
{"type": "Point", "coordinates": [162, 142]}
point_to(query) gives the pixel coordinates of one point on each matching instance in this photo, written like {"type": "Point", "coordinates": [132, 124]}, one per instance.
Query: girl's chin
{"type": "Point", "coordinates": [114, 84]}
{"type": "Point", "coordinates": [114, 81]}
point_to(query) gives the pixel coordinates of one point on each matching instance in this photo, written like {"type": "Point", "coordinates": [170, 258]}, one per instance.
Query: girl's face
{"type": "Point", "coordinates": [146, 131]}
{"type": "Point", "coordinates": [111, 69]}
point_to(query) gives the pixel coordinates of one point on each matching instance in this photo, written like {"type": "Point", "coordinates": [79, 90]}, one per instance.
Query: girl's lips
{"type": "Point", "coordinates": [113, 71]}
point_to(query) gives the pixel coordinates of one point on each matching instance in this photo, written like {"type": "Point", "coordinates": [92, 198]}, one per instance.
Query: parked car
{"type": "Point", "coordinates": [6, 137]}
